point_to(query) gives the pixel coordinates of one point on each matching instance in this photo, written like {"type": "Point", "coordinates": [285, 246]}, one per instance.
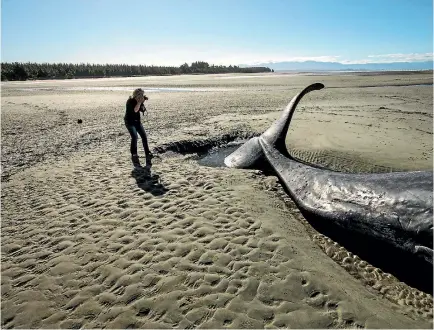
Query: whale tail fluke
{"type": "Point", "coordinates": [250, 152]}
{"type": "Point", "coordinates": [276, 134]}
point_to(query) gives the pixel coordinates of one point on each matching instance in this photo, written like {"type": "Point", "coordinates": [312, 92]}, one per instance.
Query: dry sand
{"type": "Point", "coordinates": [87, 243]}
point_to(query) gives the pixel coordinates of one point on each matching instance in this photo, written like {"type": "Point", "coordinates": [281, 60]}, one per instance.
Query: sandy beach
{"type": "Point", "coordinates": [86, 242]}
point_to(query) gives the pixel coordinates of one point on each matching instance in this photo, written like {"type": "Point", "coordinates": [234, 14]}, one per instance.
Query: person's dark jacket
{"type": "Point", "coordinates": [132, 117]}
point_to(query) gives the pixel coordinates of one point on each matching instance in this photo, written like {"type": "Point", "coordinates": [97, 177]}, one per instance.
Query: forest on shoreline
{"type": "Point", "coordinates": [32, 71]}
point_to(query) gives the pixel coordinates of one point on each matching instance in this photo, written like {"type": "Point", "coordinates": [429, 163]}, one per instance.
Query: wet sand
{"type": "Point", "coordinates": [87, 242]}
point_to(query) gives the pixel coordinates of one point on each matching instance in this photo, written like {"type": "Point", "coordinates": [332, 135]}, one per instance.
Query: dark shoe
{"type": "Point", "coordinates": [136, 161]}
{"type": "Point", "coordinates": [148, 159]}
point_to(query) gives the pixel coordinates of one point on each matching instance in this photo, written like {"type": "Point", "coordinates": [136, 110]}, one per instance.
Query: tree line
{"type": "Point", "coordinates": [29, 71]}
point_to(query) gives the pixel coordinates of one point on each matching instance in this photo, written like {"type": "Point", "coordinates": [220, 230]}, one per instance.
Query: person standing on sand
{"type": "Point", "coordinates": [135, 105]}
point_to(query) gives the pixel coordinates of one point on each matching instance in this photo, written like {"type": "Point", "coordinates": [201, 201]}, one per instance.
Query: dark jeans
{"type": "Point", "coordinates": [135, 128]}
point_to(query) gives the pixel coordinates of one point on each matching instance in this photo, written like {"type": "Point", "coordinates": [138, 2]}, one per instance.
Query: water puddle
{"type": "Point", "coordinates": [215, 157]}
{"type": "Point", "coordinates": [127, 89]}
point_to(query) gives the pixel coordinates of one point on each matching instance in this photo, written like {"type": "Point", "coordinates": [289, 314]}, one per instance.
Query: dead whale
{"type": "Point", "coordinates": [393, 207]}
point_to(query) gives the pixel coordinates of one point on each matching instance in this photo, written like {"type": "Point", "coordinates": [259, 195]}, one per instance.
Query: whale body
{"type": "Point", "coordinates": [396, 208]}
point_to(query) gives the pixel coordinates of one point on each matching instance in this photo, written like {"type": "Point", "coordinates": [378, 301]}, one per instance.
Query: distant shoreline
{"type": "Point", "coordinates": [277, 72]}
{"type": "Point", "coordinates": [134, 76]}
{"type": "Point", "coordinates": [59, 71]}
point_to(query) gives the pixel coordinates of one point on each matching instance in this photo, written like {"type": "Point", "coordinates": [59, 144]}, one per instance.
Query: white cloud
{"type": "Point", "coordinates": [357, 61]}
{"type": "Point", "coordinates": [250, 59]}
{"type": "Point", "coordinates": [411, 56]}
{"type": "Point", "coordinates": [327, 58]}
{"type": "Point", "coordinates": [387, 58]}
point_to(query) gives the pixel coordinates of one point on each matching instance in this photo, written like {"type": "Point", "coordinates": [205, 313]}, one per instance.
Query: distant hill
{"type": "Point", "coordinates": [336, 66]}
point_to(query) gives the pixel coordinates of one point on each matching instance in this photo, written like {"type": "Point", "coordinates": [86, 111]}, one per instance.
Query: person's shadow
{"type": "Point", "coordinates": [149, 182]}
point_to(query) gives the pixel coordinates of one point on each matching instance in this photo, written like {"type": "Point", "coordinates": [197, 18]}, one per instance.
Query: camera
{"type": "Point", "coordinates": [145, 97]}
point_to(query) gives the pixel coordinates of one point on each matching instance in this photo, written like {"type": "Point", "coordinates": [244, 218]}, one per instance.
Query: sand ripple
{"type": "Point", "coordinates": [85, 244]}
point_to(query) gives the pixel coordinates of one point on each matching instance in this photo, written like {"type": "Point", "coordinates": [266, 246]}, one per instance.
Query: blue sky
{"type": "Point", "coordinates": [171, 32]}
